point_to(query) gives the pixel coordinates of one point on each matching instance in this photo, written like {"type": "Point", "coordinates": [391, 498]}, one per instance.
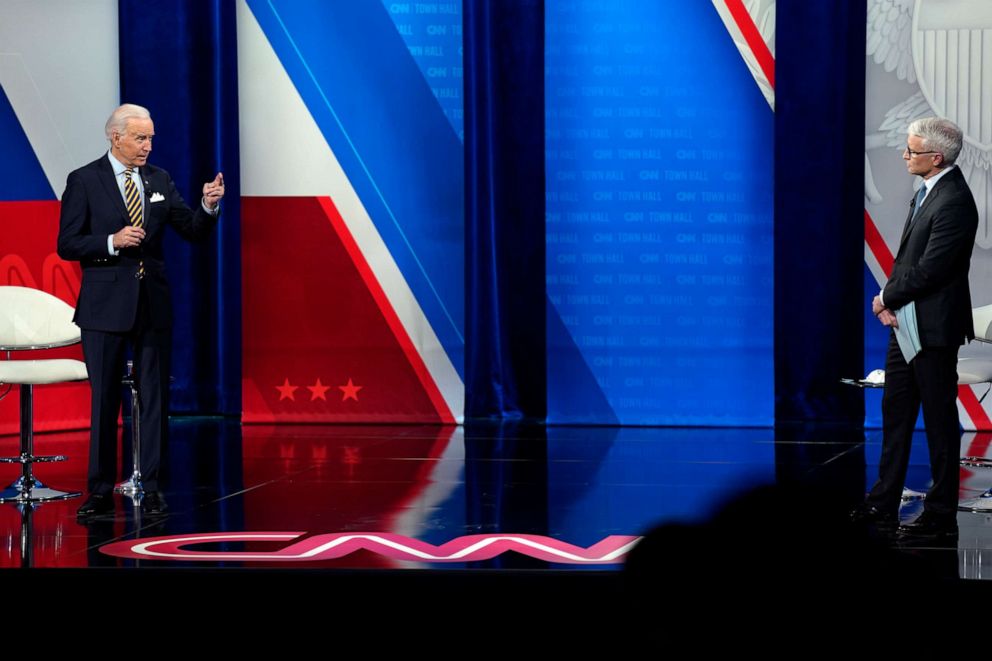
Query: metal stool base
{"type": "Point", "coordinates": [27, 488]}
{"type": "Point", "coordinates": [981, 504]}
{"type": "Point", "coordinates": [909, 495]}
{"type": "Point", "coordinates": [32, 459]}
{"type": "Point", "coordinates": [133, 487]}
{"type": "Point", "coordinates": [38, 493]}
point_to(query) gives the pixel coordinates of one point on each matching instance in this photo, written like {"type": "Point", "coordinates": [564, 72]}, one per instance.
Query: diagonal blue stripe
{"type": "Point", "coordinates": [21, 175]}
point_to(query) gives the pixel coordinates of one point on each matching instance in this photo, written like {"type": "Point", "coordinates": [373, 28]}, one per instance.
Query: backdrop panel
{"type": "Point", "coordinates": [339, 122]}
{"type": "Point", "coordinates": [659, 215]}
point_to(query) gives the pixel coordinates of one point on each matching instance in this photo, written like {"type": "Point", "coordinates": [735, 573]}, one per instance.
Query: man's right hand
{"type": "Point", "coordinates": [128, 237]}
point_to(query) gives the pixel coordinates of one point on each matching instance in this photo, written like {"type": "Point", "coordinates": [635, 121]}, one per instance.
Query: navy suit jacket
{"type": "Point", "coordinates": [931, 267]}
{"type": "Point", "coordinates": [92, 209]}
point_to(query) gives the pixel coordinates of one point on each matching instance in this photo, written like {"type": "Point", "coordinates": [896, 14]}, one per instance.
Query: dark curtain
{"type": "Point", "coordinates": [178, 58]}
{"type": "Point", "coordinates": [505, 370]}
{"type": "Point", "coordinates": [819, 210]}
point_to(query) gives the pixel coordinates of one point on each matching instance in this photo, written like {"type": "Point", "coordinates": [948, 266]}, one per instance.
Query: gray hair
{"type": "Point", "coordinates": [118, 119]}
{"type": "Point", "coordinates": [939, 135]}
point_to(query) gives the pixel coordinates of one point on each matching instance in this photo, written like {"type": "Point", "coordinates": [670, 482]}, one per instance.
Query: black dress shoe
{"type": "Point", "coordinates": [154, 503]}
{"type": "Point", "coordinates": [870, 514]}
{"type": "Point", "coordinates": [95, 505]}
{"type": "Point", "coordinates": [931, 526]}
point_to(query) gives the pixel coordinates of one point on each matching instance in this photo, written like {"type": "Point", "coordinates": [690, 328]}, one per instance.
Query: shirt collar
{"type": "Point", "coordinates": [118, 167]}
{"type": "Point", "coordinates": [932, 181]}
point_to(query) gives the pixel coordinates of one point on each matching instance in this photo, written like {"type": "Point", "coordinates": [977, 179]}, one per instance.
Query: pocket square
{"type": "Point", "coordinates": [157, 197]}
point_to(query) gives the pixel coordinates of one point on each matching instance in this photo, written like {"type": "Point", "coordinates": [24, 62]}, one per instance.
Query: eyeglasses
{"type": "Point", "coordinates": [917, 153]}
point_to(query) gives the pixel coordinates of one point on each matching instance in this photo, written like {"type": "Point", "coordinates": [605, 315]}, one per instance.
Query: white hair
{"type": "Point", "coordinates": [940, 135]}
{"type": "Point", "coordinates": [117, 122]}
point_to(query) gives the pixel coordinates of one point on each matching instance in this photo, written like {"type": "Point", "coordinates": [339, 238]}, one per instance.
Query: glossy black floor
{"type": "Point", "coordinates": [400, 491]}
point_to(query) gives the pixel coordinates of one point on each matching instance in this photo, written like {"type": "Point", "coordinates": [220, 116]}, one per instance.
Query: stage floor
{"type": "Point", "coordinates": [479, 497]}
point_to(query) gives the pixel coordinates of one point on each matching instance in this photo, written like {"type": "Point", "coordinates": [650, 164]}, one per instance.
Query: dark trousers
{"type": "Point", "coordinates": [104, 355]}
{"type": "Point", "coordinates": [931, 380]}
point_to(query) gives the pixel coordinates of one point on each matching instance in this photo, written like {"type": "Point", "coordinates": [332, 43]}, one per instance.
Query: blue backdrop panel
{"type": "Point", "coordinates": [659, 207]}
{"type": "Point", "coordinates": [432, 32]}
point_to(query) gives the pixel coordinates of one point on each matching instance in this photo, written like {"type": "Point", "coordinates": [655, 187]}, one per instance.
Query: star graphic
{"type": "Point", "coordinates": [286, 391]}
{"type": "Point", "coordinates": [317, 391]}
{"type": "Point", "coordinates": [350, 391]}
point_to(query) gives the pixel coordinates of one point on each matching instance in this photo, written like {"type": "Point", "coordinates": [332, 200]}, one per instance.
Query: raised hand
{"type": "Point", "coordinates": [214, 191]}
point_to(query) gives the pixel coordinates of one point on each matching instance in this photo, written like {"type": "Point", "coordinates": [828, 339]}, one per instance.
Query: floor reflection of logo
{"type": "Point", "coordinates": [610, 550]}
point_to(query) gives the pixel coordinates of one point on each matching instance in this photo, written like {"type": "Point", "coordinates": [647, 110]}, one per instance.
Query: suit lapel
{"type": "Point", "coordinates": [928, 203]}
{"type": "Point", "coordinates": [909, 219]}
{"type": "Point", "coordinates": [146, 206]}
{"type": "Point", "coordinates": [106, 173]}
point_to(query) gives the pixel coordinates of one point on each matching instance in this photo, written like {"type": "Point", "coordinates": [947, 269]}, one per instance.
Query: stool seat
{"type": "Point", "coordinates": [40, 372]}
{"type": "Point", "coordinates": [974, 370]}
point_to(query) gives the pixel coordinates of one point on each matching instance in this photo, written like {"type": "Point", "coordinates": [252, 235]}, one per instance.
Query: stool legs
{"type": "Point", "coordinates": [133, 486]}
{"type": "Point", "coordinates": [27, 488]}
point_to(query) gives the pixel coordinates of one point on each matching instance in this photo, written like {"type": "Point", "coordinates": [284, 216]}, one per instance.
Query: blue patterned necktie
{"type": "Point", "coordinates": [922, 193]}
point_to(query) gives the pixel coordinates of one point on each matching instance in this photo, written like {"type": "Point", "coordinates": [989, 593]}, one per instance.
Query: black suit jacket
{"type": "Point", "coordinates": [92, 209]}
{"type": "Point", "coordinates": [931, 267]}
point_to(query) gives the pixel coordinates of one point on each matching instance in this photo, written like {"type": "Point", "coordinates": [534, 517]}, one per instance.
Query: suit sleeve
{"type": "Point", "coordinates": [75, 241]}
{"type": "Point", "coordinates": [948, 251]}
{"type": "Point", "coordinates": [191, 225]}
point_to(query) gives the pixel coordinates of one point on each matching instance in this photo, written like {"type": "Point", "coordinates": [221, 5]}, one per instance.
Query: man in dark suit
{"type": "Point", "coordinates": [114, 214]}
{"type": "Point", "coordinates": [931, 271]}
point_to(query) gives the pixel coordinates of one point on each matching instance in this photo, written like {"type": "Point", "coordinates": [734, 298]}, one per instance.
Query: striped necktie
{"type": "Point", "coordinates": [132, 200]}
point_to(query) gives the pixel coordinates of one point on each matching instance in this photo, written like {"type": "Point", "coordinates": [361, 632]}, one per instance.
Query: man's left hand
{"type": "Point", "coordinates": [876, 306]}
{"type": "Point", "coordinates": [888, 318]}
{"type": "Point", "coordinates": [214, 191]}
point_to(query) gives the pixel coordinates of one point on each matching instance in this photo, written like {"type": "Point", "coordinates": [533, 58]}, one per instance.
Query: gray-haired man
{"type": "Point", "coordinates": [930, 271]}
